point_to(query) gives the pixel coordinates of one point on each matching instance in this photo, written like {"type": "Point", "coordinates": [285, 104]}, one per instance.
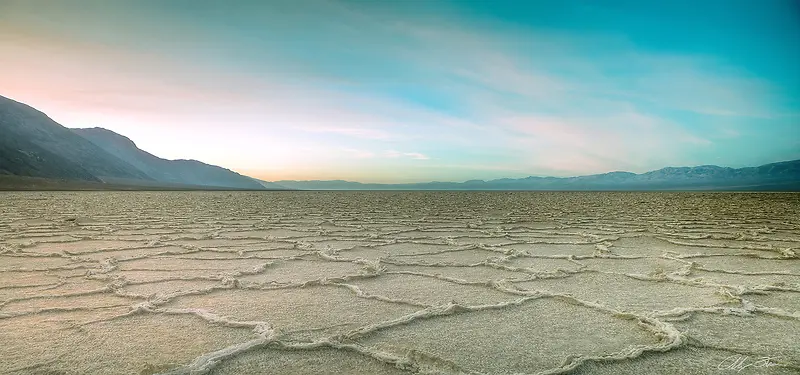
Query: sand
{"type": "Point", "coordinates": [399, 282]}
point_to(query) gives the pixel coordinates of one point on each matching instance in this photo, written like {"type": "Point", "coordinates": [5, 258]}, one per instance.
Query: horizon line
{"type": "Point", "coordinates": [510, 178]}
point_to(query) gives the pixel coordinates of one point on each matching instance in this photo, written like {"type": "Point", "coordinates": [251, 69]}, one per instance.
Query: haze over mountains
{"type": "Point", "coordinates": [189, 172]}
{"type": "Point", "coordinates": [33, 145]}
{"type": "Point", "coordinates": [775, 176]}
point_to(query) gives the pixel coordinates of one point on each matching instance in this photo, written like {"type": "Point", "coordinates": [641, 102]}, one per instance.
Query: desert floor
{"type": "Point", "coordinates": [399, 282]}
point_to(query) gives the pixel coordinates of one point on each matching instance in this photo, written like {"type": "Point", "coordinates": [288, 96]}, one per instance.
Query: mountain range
{"type": "Point", "coordinates": [33, 145]}
{"type": "Point", "coordinates": [783, 176]}
{"type": "Point", "coordinates": [36, 152]}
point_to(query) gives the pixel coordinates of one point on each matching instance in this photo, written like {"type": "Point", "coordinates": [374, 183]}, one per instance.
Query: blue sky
{"type": "Point", "coordinates": [416, 90]}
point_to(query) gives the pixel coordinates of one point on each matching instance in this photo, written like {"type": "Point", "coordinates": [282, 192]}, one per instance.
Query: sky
{"type": "Point", "coordinates": [417, 90]}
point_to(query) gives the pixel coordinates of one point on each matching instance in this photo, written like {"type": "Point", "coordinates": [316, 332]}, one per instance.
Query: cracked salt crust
{"type": "Point", "coordinates": [397, 282]}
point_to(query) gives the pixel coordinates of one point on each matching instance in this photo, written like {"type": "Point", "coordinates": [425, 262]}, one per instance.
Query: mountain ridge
{"type": "Point", "coordinates": [178, 171]}
{"type": "Point", "coordinates": [703, 177]}
{"type": "Point", "coordinates": [35, 146]}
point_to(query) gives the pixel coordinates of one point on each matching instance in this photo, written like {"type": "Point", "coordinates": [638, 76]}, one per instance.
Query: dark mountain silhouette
{"type": "Point", "coordinates": [188, 172]}
{"type": "Point", "coordinates": [33, 145]}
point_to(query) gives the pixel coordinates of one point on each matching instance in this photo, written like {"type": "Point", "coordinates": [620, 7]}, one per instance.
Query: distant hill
{"type": "Point", "coordinates": [782, 176]}
{"type": "Point", "coordinates": [188, 172]}
{"type": "Point", "coordinates": [33, 145]}
{"type": "Point", "coordinates": [271, 185]}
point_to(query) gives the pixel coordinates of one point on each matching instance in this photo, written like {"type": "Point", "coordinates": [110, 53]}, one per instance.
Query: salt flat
{"type": "Point", "coordinates": [399, 282]}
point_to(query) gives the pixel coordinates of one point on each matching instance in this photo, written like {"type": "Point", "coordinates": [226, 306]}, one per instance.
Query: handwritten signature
{"type": "Point", "coordinates": [740, 362]}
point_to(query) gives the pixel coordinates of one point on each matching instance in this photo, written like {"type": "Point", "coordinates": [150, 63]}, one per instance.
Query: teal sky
{"type": "Point", "coordinates": [417, 90]}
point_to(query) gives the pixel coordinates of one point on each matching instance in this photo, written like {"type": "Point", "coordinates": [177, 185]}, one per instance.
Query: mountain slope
{"type": "Point", "coordinates": [188, 172]}
{"type": "Point", "coordinates": [271, 185]}
{"type": "Point", "coordinates": [32, 144]}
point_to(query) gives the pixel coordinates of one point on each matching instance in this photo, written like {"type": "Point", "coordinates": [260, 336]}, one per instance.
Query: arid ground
{"type": "Point", "coordinates": [399, 283]}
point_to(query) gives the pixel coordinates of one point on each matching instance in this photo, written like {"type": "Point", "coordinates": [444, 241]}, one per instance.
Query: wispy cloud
{"type": "Point", "coordinates": [398, 154]}
{"type": "Point", "coordinates": [567, 145]}
{"type": "Point", "coordinates": [416, 155]}
{"type": "Point", "coordinates": [355, 132]}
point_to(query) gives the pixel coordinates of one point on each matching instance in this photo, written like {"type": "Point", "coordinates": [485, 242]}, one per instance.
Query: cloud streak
{"type": "Point", "coordinates": [398, 154]}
